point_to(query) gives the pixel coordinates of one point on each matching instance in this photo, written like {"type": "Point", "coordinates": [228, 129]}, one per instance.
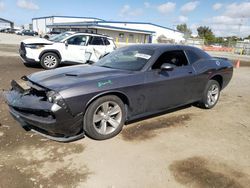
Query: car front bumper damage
{"type": "Point", "coordinates": [34, 112]}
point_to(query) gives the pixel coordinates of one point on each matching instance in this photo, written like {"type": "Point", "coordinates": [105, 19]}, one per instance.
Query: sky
{"type": "Point", "coordinates": [224, 17]}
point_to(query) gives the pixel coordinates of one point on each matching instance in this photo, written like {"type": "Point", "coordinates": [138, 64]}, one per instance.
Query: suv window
{"type": "Point", "coordinates": [96, 41]}
{"type": "Point", "coordinates": [176, 58]}
{"type": "Point", "coordinates": [106, 42]}
{"type": "Point", "coordinates": [77, 40]}
{"type": "Point", "coordinates": [192, 56]}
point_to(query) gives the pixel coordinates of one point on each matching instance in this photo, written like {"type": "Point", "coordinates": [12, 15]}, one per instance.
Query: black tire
{"type": "Point", "coordinates": [47, 55]}
{"type": "Point", "coordinates": [90, 62]}
{"type": "Point", "coordinates": [90, 126]}
{"type": "Point", "coordinates": [204, 103]}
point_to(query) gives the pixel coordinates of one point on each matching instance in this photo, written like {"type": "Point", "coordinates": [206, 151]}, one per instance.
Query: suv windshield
{"type": "Point", "coordinates": [60, 37]}
{"type": "Point", "coordinates": [133, 59]}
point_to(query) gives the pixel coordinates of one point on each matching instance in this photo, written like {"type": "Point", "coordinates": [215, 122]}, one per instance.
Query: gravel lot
{"type": "Point", "coordinates": [191, 147]}
{"type": "Point", "coordinates": [12, 39]}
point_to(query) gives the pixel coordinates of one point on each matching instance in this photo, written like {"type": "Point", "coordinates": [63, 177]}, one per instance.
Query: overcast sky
{"type": "Point", "coordinates": [225, 17]}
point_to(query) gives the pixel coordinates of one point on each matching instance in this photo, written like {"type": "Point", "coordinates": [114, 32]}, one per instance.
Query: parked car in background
{"type": "Point", "coordinates": [51, 34]}
{"type": "Point", "coordinates": [18, 31]}
{"type": "Point", "coordinates": [10, 30]}
{"type": "Point", "coordinates": [27, 32]}
{"type": "Point", "coordinates": [66, 47]}
{"type": "Point", "coordinates": [129, 83]}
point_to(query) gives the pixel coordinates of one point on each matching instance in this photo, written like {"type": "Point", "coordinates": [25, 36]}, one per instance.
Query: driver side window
{"type": "Point", "coordinates": [79, 40]}
{"type": "Point", "coordinates": [176, 58]}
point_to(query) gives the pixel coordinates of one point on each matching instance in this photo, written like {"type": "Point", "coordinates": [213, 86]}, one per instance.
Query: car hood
{"type": "Point", "coordinates": [37, 41]}
{"type": "Point", "coordinates": [64, 78]}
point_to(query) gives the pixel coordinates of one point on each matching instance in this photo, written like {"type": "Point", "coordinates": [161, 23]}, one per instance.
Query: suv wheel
{"type": "Point", "coordinates": [50, 61]}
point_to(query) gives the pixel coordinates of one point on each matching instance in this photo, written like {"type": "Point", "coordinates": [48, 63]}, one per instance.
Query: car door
{"type": "Point", "coordinates": [169, 88]}
{"type": "Point", "coordinates": [74, 49]}
{"type": "Point", "coordinates": [97, 47]}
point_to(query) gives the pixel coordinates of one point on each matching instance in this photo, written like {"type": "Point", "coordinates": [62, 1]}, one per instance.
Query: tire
{"type": "Point", "coordinates": [211, 95]}
{"type": "Point", "coordinates": [50, 60]}
{"type": "Point", "coordinates": [90, 62]}
{"type": "Point", "coordinates": [99, 115]}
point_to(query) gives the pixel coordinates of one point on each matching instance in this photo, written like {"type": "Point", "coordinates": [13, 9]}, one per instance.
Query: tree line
{"type": "Point", "coordinates": [207, 34]}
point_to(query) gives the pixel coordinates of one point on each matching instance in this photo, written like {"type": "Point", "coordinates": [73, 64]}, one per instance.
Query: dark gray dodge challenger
{"type": "Point", "coordinates": [130, 83]}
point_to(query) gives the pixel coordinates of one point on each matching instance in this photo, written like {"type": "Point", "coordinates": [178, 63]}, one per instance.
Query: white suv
{"type": "Point", "coordinates": [66, 47]}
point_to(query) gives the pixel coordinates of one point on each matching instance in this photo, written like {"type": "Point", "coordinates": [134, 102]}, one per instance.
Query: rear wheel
{"type": "Point", "coordinates": [50, 61]}
{"type": "Point", "coordinates": [104, 117]}
{"type": "Point", "coordinates": [211, 94]}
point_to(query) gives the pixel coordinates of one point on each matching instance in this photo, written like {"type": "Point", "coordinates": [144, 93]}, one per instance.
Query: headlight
{"type": "Point", "coordinates": [53, 97]}
{"type": "Point", "coordinates": [56, 98]}
{"type": "Point", "coordinates": [34, 46]}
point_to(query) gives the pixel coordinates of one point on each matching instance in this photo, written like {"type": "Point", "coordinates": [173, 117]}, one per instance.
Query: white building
{"type": "Point", "coordinates": [122, 32]}
{"type": "Point", "coordinates": [4, 24]}
{"type": "Point", "coordinates": [40, 24]}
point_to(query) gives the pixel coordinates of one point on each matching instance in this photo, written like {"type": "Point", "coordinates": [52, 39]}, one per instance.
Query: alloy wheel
{"type": "Point", "coordinates": [50, 61]}
{"type": "Point", "coordinates": [107, 117]}
{"type": "Point", "coordinates": [213, 94]}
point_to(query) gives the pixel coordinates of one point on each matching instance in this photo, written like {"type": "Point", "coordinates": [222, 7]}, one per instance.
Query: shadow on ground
{"type": "Point", "coordinates": [198, 172]}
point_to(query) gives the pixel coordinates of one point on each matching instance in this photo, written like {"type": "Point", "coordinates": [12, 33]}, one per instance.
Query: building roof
{"type": "Point", "coordinates": [4, 20]}
{"type": "Point", "coordinates": [125, 22]}
{"type": "Point", "coordinates": [104, 21]}
{"type": "Point", "coordinates": [43, 17]}
{"type": "Point", "coordinates": [96, 26]}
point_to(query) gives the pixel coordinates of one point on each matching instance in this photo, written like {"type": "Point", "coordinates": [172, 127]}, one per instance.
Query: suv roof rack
{"type": "Point", "coordinates": [99, 34]}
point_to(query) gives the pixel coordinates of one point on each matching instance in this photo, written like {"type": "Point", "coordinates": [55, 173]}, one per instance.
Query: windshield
{"type": "Point", "coordinates": [60, 37]}
{"type": "Point", "coordinates": [133, 59]}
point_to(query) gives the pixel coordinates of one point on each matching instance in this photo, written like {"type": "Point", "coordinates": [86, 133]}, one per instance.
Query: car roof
{"type": "Point", "coordinates": [164, 47]}
{"type": "Point", "coordinates": [168, 47]}
{"type": "Point", "coordinates": [92, 34]}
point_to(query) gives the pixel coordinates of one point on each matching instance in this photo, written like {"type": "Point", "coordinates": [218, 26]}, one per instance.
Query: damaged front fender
{"type": "Point", "coordinates": [26, 100]}
{"type": "Point", "coordinates": [31, 108]}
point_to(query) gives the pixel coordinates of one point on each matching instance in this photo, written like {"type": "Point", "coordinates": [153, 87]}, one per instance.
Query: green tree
{"type": "Point", "coordinates": [248, 37]}
{"type": "Point", "coordinates": [184, 29]}
{"type": "Point", "coordinates": [206, 33]}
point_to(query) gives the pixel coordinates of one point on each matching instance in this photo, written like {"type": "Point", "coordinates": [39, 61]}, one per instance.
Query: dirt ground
{"type": "Point", "coordinates": [191, 147]}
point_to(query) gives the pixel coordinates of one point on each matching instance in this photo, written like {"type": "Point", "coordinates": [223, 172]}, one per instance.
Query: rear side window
{"type": "Point", "coordinates": [106, 42]}
{"type": "Point", "coordinates": [192, 56]}
{"type": "Point", "coordinates": [96, 41]}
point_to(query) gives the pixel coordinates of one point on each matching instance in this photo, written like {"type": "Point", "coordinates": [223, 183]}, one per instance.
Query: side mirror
{"type": "Point", "coordinates": [167, 67]}
{"type": "Point", "coordinates": [66, 43]}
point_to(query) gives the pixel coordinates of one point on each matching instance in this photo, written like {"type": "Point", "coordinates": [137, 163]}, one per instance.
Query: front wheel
{"type": "Point", "coordinates": [104, 117]}
{"type": "Point", "coordinates": [50, 61]}
{"type": "Point", "coordinates": [211, 94]}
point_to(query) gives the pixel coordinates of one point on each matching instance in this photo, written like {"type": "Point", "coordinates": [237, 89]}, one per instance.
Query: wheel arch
{"type": "Point", "coordinates": [50, 51]}
{"type": "Point", "coordinates": [119, 94]}
{"type": "Point", "coordinates": [219, 79]}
